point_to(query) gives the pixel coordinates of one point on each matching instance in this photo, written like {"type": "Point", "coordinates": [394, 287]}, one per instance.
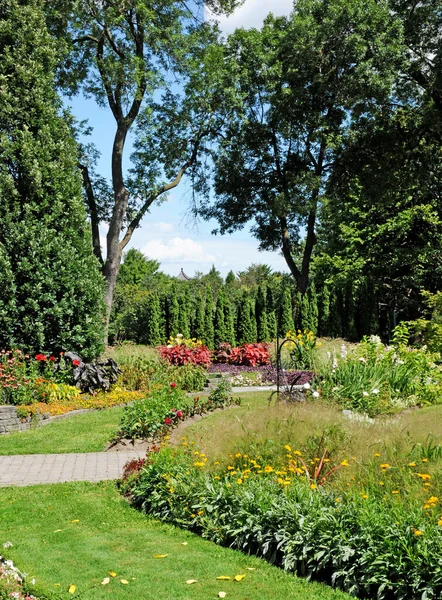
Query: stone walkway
{"type": "Point", "coordinates": [31, 469]}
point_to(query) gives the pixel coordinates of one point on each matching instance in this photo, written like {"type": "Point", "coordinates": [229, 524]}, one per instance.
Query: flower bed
{"type": "Point", "coordinates": [116, 397]}
{"type": "Point", "coordinates": [379, 538]}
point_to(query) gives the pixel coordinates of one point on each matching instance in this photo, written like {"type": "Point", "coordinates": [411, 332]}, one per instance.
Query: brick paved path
{"type": "Point", "coordinates": [30, 469]}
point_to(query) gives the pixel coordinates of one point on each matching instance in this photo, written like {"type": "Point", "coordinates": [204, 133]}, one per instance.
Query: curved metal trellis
{"type": "Point", "coordinates": [285, 390]}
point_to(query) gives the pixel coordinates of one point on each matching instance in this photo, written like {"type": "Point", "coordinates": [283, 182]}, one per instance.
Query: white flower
{"type": "Point", "coordinates": [335, 363]}
{"type": "Point", "coordinates": [8, 545]}
{"type": "Point", "coordinates": [365, 394]}
{"type": "Point", "coordinates": [315, 394]}
{"type": "Point", "coordinates": [375, 391]}
{"type": "Point", "coordinates": [306, 386]}
{"type": "Point", "coordinates": [362, 359]}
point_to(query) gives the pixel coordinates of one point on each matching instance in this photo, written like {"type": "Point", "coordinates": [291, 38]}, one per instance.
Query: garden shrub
{"type": "Point", "coordinates": [181, 351]}
{"type": "Point", "coordinates": [51, 288]}
{"type": "Point", "coordinates": [249, 355]}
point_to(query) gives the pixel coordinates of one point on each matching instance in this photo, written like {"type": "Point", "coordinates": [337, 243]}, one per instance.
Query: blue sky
{"type": "Point", "coordinates": [167, 234]}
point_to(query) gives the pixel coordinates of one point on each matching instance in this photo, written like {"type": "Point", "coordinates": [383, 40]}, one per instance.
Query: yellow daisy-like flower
{"type": "Point", "coordinates": [384, 466]}
{"type": "Point", "coordinates": [345, 463]}
{"type": "Point", "coordinates": [376, 454]}
{"type": "Point", "coordinates": [313, 486]}
{"type": "Point", "coordinates": [239, 481]}
{"type": "Point", "coordinates": [395, 492]}
{"type": "Point", "coordinates": [417, 532]}
{"type": "Point", "coordinates": [425, 460]}
{"type": "Point", "coordinates": [412, 464]}
{"type": "Point", "coordinates": [288, 448]}
{"type": "Point", "coordinates": [297, 453]}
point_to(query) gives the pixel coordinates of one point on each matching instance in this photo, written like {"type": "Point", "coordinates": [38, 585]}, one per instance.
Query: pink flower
{"type": "Point", "coordinates": [173, 385]}
{"type": "Point", "coordinates": [179, 414]}
{"type": "Point", "coordinates": [168, 421]}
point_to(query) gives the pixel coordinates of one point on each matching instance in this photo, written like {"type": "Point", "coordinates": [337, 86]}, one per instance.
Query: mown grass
{"type": "Point", "coordinates": [88, 432]}
{"type": "Point", "coordinates": [77, 533]}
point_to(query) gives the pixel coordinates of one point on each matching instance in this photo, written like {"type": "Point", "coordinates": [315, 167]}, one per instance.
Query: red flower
{"type": "Point", "coordinates": [41, 357]}
{"type": "Point", "coordinates": [168, 421]}
{"type": "Point", "coordinates": [173, 385]}
{"type": "Point", "coordinates": [76, 362]}
{"type": "Point", "coordinates": [179, 414]}
{"type": "Point", "coordinates": [52, 358]}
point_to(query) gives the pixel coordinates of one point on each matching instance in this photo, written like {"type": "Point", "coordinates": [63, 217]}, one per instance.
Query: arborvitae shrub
{"type": "Point", "coordinates": [286, 313]}
{"type": "Point", "coordinates": [209, 333]}
{"type": "Point", "coordinates": [219, 321]}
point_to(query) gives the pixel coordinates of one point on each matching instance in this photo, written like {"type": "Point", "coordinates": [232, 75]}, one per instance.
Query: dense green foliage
{"type": "Point", "coordinates": [51, 292]}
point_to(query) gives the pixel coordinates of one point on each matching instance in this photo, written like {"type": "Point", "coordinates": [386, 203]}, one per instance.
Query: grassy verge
{"type": "Point", "coordinates": [75, 534]}
{"type": "Point", "coordinates": [88, 432]}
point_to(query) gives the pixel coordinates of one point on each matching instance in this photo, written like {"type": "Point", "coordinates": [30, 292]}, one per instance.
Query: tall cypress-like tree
{"type": "Point", "coordinates": [272, 320]}
{"type": "Point", "coordinates": [184, 317]}
{"type": "Point", "coordinates": [219, 322]}
{"type": "Point", "coordinates": [286, 313]}
{"type": "Point", "coordinates": [51, 291]}
{"type": "Point", "coordinates": [173, 314]}
{"type": "Point", "coordinates": [229, 322]}
{"type": "Point", "coordinates": [245, 332]}
{"type": "Point", "coordinates": [198, 320]}
{"type": "Point", "coordinates": [261, 315]}
{"type": "Point", "coordinates": [152, 324]}
{"type": "Point", "coordinates": [324, 311]}
{"type": "Point", "coordinates": [209, 333]}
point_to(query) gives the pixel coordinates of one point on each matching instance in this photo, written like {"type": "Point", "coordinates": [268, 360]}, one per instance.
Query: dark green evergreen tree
{"type": "Point", "coordinates": [299, 312]}
{"type": "Point", "coordinates": [184, 317]}
{"type": "Point", "coordinates": [245, 332]}
{"type": "Point", "coordinates": [209, 333]}
{"type": "Point", "coordinates": [272, 320]}
{"type": "Point", "coordinates": [51, 290]}
{"type": "Point", "coordinates": [367, 310]}
{"type": "Point", "coordinates": [152, 323]}
{"type": "Point", "coordinates": [230, 279]}
{"type": "Point", "coordinates": [173, 314]}
{"type": "Point", "coordinates": [198, 321]}
{"type": "Point", "coordinates": [313, 309]}
{"type": "Point", "coordinates": [229, 322]}
{"type": "Point", "coordinates": [286, 323]}
{"type": "Point", "coordinates": [349, 323]}
{"type": "Point", "coordinates": [261, 315]}
{"type": "Point", "coordinates": [324, 312]}
{"type": "Point", "coordinates": [219, 323]}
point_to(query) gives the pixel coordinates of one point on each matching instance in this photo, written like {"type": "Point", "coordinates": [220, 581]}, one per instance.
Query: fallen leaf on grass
{"type": "Point", "coordinates": [222, 594]}
{"type": "Point", "coordinates": [124, 581]}
{"type": "Point", "coordinates": [58, 530]}
{"type": "Point", "coordinates": [112, 573]}
{"type": "Point", "coordinates": [184, 544]}
{"type": "Point", "coordinates": [250, 569]}
{"type": "Point", "coordinates": [105, 581]}
{"type": "Point", "coordinates": [72, 589]}
{"type": "Point", "coordinates": [75, 521]}
{"type": "Point", "coordinates": [223, 578]}
{"type": "Point", "coordinates": [239, 577]}
{"type": "Point", "coordinates": [190, 581]}
{"type": "Point", "coordinates": [160, 555]}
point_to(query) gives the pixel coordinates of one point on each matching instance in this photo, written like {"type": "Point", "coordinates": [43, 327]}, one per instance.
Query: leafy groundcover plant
{"type": "Point", "coordinates": [372, 543]}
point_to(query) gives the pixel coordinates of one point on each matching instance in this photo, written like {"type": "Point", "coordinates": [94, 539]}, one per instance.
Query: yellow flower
{"type": "Point", "coordinates": [395, 492]}
{"type": "Point", "coordinates": [313, 486]}
{"type": "Point", "coordinates": [425, 460]}
{"type": "Point", "coordinates": [417, 532]}
{"type": "Point", "coordinates": [412, 464]}
{"type": "Point", "coordinates": [381, 483]}
{"type": "Point", "coordinates": [198, 464]}
{"type": "Point", "coordinates": [384, 466]}
{"type": "Point", "coordinates": [440, 522]}
{"type": "Point", "coordinates": [344, 463]}
{"type": "Point", "coordinates": [297, 453]}
{"type": "Point", "coordinates": [239, 481]}
{"type": "Point", "coordinates": [216, 477]}
{"type": "Point", "coordinates": [337, 500]}
{"type": "Point", "coordinates": [288, 448]}
{"type": "Point", "coordinates": [376, 454]}
{"type": "Point", "coordinates": [365, 496]}
{"type": "Point", "coordinates": [230, 468]}
{"type": "Point", "coordinates": [238, 455]}
{"type": "Point", "coordinates": [268, 469]}
{"type": "Point", "coordinates": [424, 476]}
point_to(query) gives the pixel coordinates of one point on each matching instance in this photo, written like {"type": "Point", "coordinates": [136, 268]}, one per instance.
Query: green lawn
{"type": "Point", "coordinates": [88, 432]}
{"type": "Point", "coordinates": [77, 533]}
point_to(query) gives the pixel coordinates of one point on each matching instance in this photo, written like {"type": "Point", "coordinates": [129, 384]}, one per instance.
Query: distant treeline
{"type": "Point", "coordinates": [253, 306]}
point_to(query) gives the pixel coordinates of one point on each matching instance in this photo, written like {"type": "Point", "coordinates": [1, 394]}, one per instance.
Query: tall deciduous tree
{"type": "Point", "coordinates": [298, 82]}
{"type": "Point", "coordinates": [51, 292]}
{"type": "Point", "coordinates": [121, 53]}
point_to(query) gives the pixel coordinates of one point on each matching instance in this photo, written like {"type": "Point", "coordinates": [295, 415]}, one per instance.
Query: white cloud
{"type": "Point", "coordinates": [253, 12]}
{"type": "Point", "coordinates": [177, 250]}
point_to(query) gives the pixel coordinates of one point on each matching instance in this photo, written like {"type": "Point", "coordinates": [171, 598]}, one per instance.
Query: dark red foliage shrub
{"type": "Point", "coordinates": [133, 466]}
{"type": "Point", "coordinates": [182, 355]}
{"type": "Point", "coordinates": [249, 355]}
